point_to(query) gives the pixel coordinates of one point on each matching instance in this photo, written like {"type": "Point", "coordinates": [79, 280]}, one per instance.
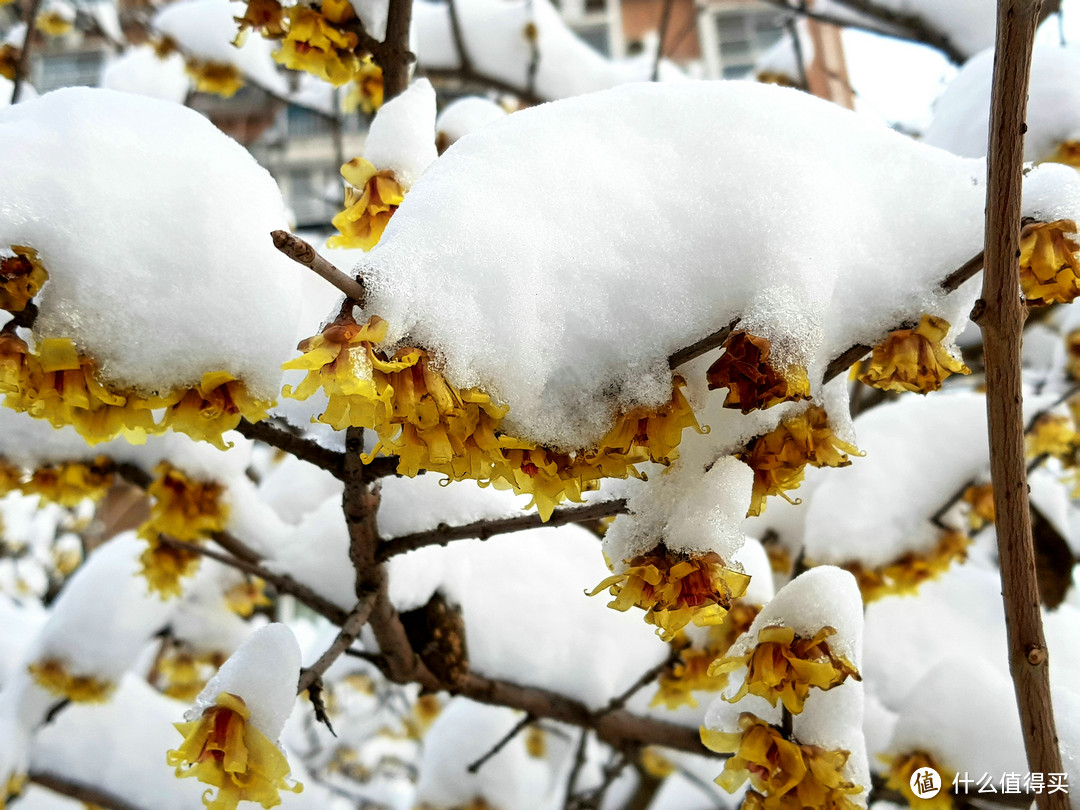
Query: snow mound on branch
{"type": "Point", "coordinates": [402, 136]}
{"type": "Point", "coordinates": [140, 71]}
{"type": "Point", "coordinates": [157, 242]}
{"type": "Point", "coordinates": [962, 114]}
{"type": "Point", "coordinates": [968, 25]}
{"type": "Point", "coordinates": [462, 116]}
{"type": "Point", "coordinates": [605, 232]}
{"type": "Point", "coordinates": [205, 29]}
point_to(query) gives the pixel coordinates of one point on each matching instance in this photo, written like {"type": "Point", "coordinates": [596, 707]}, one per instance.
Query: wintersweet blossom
{"type": "Point", "coordinates": [779, 458]}
{"type": "Point", "coordinates": [243, 597]}
{"type": "Point", "coordinates": [784, 666]}
{"type": "Point", "coordinates": [53, 675]}
{"type": "Point", "coordinates": [980, 497]}
{"type": "Point", "coordinates": [182, 673]}
{"type": "Point", "coordinates": [215, 405]}
{"type": "Point", "coordinates": [675, 589]}
{"type": "Point", "coordinates": [752, 381]}
{"type": "Point", "coordinates": [21, 277]}
{"type": "Point", "coordinates": [224, 750]}
{"type": "Point", "coordinates": [1067, 152]}
{"type": "Point", "coordinates": [164, 565]}
{"type": "Point", "coordinates": [218, 78]}
{"type": "Point", "coordinates": [9, 60]}
{"type": "Point", "coordinates": [913, 359]}
{"type": "Point", "coordinates": [70, 483]}
{"type": "Point", "coordinates": [1049, 263]}
{"type": "Point", "coordinates": [783, 774]}
{"type": "Point", "coordinates": [265, 16]}
{"type": "Point", "coordinates": [1052, 434]}
{"type": "Point", "coordinates": [902, 767]}
{"type": "Point", "coordinates": [315, 45]}
{"type": "Point", "coordinates": [366, 92]}
{"type": "Point", "coordinates": [903, 577]}
{"type": "Point", "coordinates": [371, 198]}
{"type": "Point", "coordinates": [54, 23]}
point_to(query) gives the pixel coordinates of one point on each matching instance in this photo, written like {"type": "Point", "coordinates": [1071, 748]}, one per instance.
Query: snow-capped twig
{"type": "Point", "coordinates": [302, 253]}
{"type": "Point", "coordinates": [1002, 319]}
{"type": "Point", "coordinates": [22, 67]}
{"type": "Point", "coordinates": [350, 629]}
{"type": "Point", "coordinates": [442, 534]}
{"type": "Point", "coordinates": [89, 795]}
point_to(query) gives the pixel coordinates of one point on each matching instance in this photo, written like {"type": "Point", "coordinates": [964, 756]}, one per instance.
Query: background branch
{"type": "Point", "coordinates": [22, 67]}
{"type": "Point", "coordinates": [87, 794]}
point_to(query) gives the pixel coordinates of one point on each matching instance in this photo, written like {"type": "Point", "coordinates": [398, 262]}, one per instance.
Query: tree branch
{"type": "Point", "coordinates": [665, 20]}
{"type": "Point", "coordinates": [519, 726]}
{"type": "Point", "coordinates": [908, 26]}
{"type": "Point", "coordinates": [22, 67]}
{"type": "Point", "coordinates": [350, 629]}
{"type": "Point", "coordinates": [304, 449]}
{"type": "Point", "coordinates": [646, 678]}
{"type": "Point", "coordinates": [302, 253]}
{"type": "Point", "coordinates": [87, 794]}
{"type": "Point", "coordinates": [442, 534]}
{"type": "Point", "coordinates": [1001, 321]}
{"type": "Point", "coordinates": [394, 56]}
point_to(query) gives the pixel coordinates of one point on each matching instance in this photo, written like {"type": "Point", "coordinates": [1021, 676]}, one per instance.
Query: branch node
{"type": "Point", "coordinates": [1036, 655]}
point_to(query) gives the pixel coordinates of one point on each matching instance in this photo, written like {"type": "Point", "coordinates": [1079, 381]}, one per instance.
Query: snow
{"type": "Point", "coordinates": [373, 14]}
{"type": "Point", "coordinates": [139, 70]}
{"type": "Point", "coordinates": [752, 166]}
{"type": "Point", "coordinates": [205, 29]}
{"type": "Point", "coordinates": [264, 673]}
{"type": "Point", "coordinates": [833, 719]}
{"type": "Point", "coordinates": [103, 616]}
{"type": "Point", "coordinates": [463, 115]}
{"type": "Point", "coordinates": [402, 136]}
{"type": "Point", "coordinates": [158, 294]}
{"type": "Point", "coordinates": [962, 114]}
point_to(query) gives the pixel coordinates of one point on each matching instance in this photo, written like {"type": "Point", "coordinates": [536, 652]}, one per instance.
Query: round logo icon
{"type": "Point", "coordinates": [926, 783]}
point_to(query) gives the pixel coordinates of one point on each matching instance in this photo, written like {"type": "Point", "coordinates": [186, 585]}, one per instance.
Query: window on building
{"type": "Point", "coordinates": [301, 123]}
{"type": "Point", "coordinates": [743, 33]}
{"type": "Point", "coordinates": [73, 69]}
{"type": "Point", "coordinates": [309, 194]}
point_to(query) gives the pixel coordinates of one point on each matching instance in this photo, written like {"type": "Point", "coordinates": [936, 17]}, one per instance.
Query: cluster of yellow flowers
{"type": "Point", "coordinates": [1049, 263]}
{"type": "Point", "coordinates": [371, 198]}
{"type": "Point", "coordinates": [53, 675]}
{"type": "Point", "coordinates": [783, 774]}
{"type": "Point", "coordinates": [913, 359]}
{"type": "Point", "coordinates": [243, 597]}
{"type": "Point", "coordinates": [1055, 435]}
{"type": "Point", "coordinates": [22, 276]}
{"type": "Point", "coordinates": [54, 23]}
{"type": "Point", "coordinates": [980, 499]}
{"type": "Point", "coordinates": [905, 575]}
{"type": "Point", "coordinates": [433, 425]}
{"type": "Point", "coordinates": [899, 779]}
{"type": "Point", "coordinates": [676, 589]}
{"type": "Point", "coordinates": [690, 671]}
{"type": "Point", "coordinates": [181, 672]}
{"type": "Point", "coordinates": [67, 483]}
{"type": "Point", "coordinates": [752, 381]}
{"type": "Point", "coordinates": [779, 458]}
{"type": "Point", "coordinates": [182, 509]}
{"type": "Point", "coordinates": [59, 384]}
{"type": "Point", "coordinates": [9, 60]}
{"type": "Point", "coordinates": [223, 749]}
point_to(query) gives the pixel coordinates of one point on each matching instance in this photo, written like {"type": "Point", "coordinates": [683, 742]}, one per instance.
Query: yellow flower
{"type": "Point", "coordinates": [675, 589]}
{"type": "Point", "coordinates": [1052, 435]}
{"type": "Point", "coordinates": [655, 763]}
{"type": "Point", "coordinates": [265, 16]}
{"type": "Point", "coordinates": [433, 425]}
{"type": "Point", "coordinates": [53, 23]}
{"type": "Point", "coordinates": [182, 673]}
{"type": "Point", "coordinates": [1049, 263]}
{"type": "Point", "coordinates": [243, 597]}
{"type": "Point", "coordinates": [535, 742]}
{"type": "Point", "coordinates": [903, 766]}
{"type": "Point", "coordinates": [783, 666]}
{"type": "Point", "coordinates": [70, 483]}
{"type": "Point", "coordinates": [9, 60]}
{"type": "Point", "coordinates": [904, 576]}
{"type": "Point", "coordinates": [164, 46]}
{"type": "Point", "coordinates": [779, 457]}
{"type": "Point", "coordinates": [367, 88]}
{"type": "Point", "coordinates": [1067, 152]}
{"type": "Point", "coordinates": [980, 497]}
{"type": "Point", "coordinates": [371, 198]}
{"type": "Point", "coordinates": [314, 45]}
{"type": "Point", "coordinates": [213, 407]}
{"type": "Point", "coordinates": [337, 11]}
{"type": "Point", "coordinates": [690, 672]}
{"type": "Point", "coordinates": [16, 782]}
{"type": "Point", "coordinates": [219, 78]}
{"type": "Point", "coordinates": [1072, 349]}
{"type": "Point", "coordinates": [224, 750]}
{"type": "Point", "coordinates": [10, 477]}
{"type": "Point", "coordinates": [784, 775]}
{"type": "Point", "coordinates": [52, 675]}
{"type": "Point", "coordinates": [913, 359]}
{"type": "Point", "coordinates": [21, 277]}
{"type": "Point", "coordinates": [183, 507]}
{"type": "Point", "coordinates": [752, 381]}
{"type": "Point", "coordinates": [164, 565]}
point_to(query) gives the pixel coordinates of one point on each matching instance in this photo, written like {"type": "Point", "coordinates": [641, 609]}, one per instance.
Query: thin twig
{"type": "Point", "coordinates": [575, 769]}
{"type": "Point", "coordinates": [394, 56]}
{"type": "Point", "coordinates": [302, 253]}
{"type": "Point", "coordinates": [464, 60]}
{"type": "Point", "coordinates": [519, 726]}
{"type": "Point", "coordinates": [87, 794]}
{"type": "Point", "coordinates": [22, 67]}
{"type": "Point", "coordinates": [665, 20]}
{"type": "Point", "coordinates": [703, 346]}
{"type": "Point", "coordinates": [1001, 320]}
{"type": "Point", "coordinates": [475, 76]}
{"type": "Point", "coordinates": [304, 449]}
{"type": "Point", "coordinates": [650, 675]}
{"type": "Point", "coordinates": [350, 629]}
{"type": "Point", "coordinates": [904, 26]}
{"type": "Point", "coordinates": [442, 534]}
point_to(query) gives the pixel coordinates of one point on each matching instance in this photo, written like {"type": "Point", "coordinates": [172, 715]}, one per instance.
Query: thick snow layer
{"type": "Point", "coordinates": [848, 226]}
{"type": "Point", "coordinates": [821, 597]}
{"type": "Point", "coordinates": [502, 38]}
{"type": "Point", "coordinates": [462, 116]}
{"type": "Point", "coordinates": [139, 70]}
{"type": "Point", "coordinates": [919, 451]}
{"type": "Point", "coordinates": [161, 266]}
{"type": "Point", "coordinates": [206, 28]}
{"type": "Point", "coordinates": [466, 731]}
{"type": "Point", "coordinates": [833, 719]}
{"type": "Point", "coordinates": [755, 562]}
{"type": "Point", "coordinates": [103, 616]}
{"type": "Point", "coordinates": [969, 25]}
{"type": "Point", "coordinates": [263, 672]}
{"type": "Point", "coordinates": [963, 712]}
{"type": "Point", "coordinates": [19, 624]}
{"type": "Point", "coordinates": [421, 503]}
{"type": "Point", "coordinates": [402, 136]}
{"type": "Point", "coordinates": [372, 14]}
{"type": "Point", "coordinates": [962, 114]}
